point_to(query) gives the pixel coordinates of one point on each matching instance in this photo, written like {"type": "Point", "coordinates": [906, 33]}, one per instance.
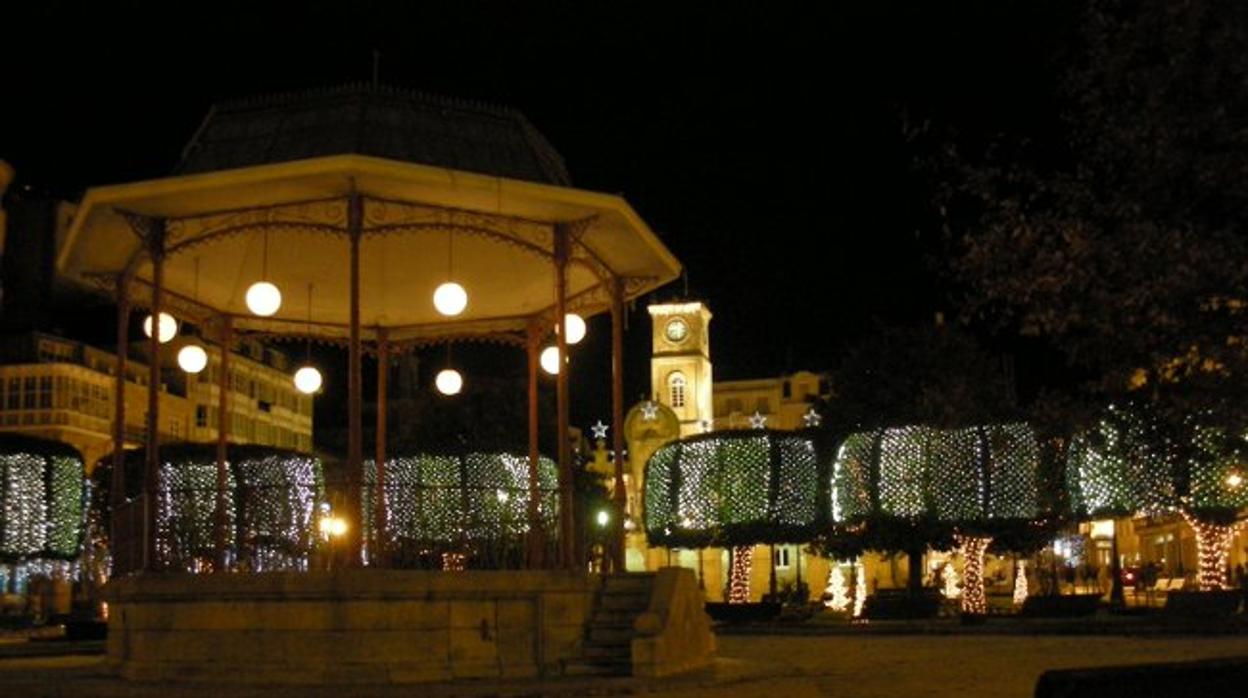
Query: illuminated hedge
{"type": "Point", "coordinates": [42, 500]}
{"type": "Point", "coordinates": [453, 499]}
{"type": "Point", "coordinates": [960, 476]}
{"type": "Point", "coordinates": [1123, 466]}
{"type": "Point", "coordinates": [271, 493]}
{"type": "Point", "coordinates": [734, 488]}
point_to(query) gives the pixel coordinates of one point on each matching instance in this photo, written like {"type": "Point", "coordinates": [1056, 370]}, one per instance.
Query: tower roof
{"type": "Point", "coordinates": [378, 121]}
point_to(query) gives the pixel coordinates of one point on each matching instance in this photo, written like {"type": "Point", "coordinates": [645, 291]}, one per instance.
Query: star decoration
{"type": "Point", "coordinates": [758, 421]}
{"type": "Point", "coordinates": [649, 411]}
{"type": "Point", "coordinates": [600, 430]}
{"type": "Point", "coordinates": [812, 418]}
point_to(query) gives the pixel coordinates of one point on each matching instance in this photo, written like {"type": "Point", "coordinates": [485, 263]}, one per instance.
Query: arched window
{"type": "Point", "coordinates": [676, 389]}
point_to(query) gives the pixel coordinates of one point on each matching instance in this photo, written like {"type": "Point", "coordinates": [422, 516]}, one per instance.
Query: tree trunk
{"type": "Point", "coordinates": [973, 548]}
{"type": "Point", "coordinates": [914, 578]}
{"type": "Point", "coordinates": [739, 581]}
{"type": "Point", "coordinates": [1213, 549]}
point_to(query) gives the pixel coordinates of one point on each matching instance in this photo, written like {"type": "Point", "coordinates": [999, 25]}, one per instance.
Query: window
{"type": "Point", "coordinates": [45, 392]}
{"type": "Point", "coordinates": [201, 416]}
{"type": "Point", "coordinates": [676, 389]}
{"type": "Point", "coordinates": [13, 399]}
{"type": "Point", "coordinates": [782, 558]}
{"type": "Point", "coordinates": [788, 390]}
{"type": "Point", "coordinates": [29, 394]}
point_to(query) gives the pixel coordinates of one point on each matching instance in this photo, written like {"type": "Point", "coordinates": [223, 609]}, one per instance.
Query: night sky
{"type": "Point", "coordinates": [762, 141]}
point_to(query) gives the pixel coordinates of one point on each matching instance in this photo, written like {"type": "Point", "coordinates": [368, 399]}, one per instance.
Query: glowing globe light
{"type": "Point", "coordinates": [603, 518]}
{"type": "Point", "coordinates": [550, 360]}
{"type": "Point", "coordinates": [192, 358]}
{"type": "Point", "coordinates": [308, 380]}
{"type": "Point", "coordinates": [263, 298]}
{"type": "Point", "coordinates": [576, 327]}
{"type": "Point", "coordinates": [449, 381]}
{"type": "Point", "coordinates": [450, 299]}
{"type": "Point", "coordinates": [168, 327]}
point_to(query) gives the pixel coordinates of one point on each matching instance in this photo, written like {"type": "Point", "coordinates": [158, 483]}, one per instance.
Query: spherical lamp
{"type": "Point", "coordinates": [168, 327]}
{"type": "Point", "coordinates": [450, 299]}
{"type": "Point", "coordinates": [192, 358]}
{"type": "Point", "coordinates": [576, 327]}
{"type": "Point", "coordinates": [550, 360]}
{"type": "Point", "coordinates": [308, 380]}
{"type": "Point", "coordinates": [449, 381]}
{"type": "Point", "coordinates": [263, 298]}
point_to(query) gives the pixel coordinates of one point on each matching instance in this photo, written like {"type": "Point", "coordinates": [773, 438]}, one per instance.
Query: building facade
{"type": "Point", "coordinates": [59, 389]}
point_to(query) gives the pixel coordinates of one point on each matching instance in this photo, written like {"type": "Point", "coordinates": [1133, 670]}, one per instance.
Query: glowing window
{"type": "Point", "coordinates": [676, 389]}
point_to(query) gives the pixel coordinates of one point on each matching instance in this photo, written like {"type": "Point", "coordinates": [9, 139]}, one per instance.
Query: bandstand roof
{"type": "Point", "coordinates": [502, 231]}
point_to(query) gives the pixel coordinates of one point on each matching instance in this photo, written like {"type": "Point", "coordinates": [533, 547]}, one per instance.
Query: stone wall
{"type": "Point", "coordinates": [369, 626]}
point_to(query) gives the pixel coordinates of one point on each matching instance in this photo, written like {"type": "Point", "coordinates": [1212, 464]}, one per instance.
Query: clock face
{"type": "Point", "coordinates": [677, 330]}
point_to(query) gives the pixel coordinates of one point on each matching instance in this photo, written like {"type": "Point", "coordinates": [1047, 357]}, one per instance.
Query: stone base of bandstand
{"type": "Point", "coordinates": [348, 626]}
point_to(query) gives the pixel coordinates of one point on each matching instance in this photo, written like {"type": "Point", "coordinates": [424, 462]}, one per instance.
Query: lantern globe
{"type": "Point", "coordinates": [450, 299]}
{"type": "Point", "coordinates": [308, 380]}
{"type": "Point", "coordinates": [550, 360]}
{"type": "Point", "coordinates": [192, 358]}
{"type": "Point", "coordinates": [576, 327]}
{"type": "Point", "coordinates": [449, 381]}
{"type": "Point", "coordinates": [263, 298]}
{"type": "Point", "coordinates": [168, 327]}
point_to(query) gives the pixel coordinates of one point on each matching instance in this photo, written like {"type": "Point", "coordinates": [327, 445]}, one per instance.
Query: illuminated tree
{"type": "Point", "coordinates": [1131, 463]}
{"type": "Point", "coordinates": [736, 489]}
{"type": "Point", "coordinates": [42, 500]}
{"type": "Point", "coordinates": [974, 484]}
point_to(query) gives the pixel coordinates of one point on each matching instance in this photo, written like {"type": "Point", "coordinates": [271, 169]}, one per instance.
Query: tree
{"type": "Point", "coordinates": [1128, 464]}
{"type": "Point", "coordinates": [931, 375]}
{"type": "Point", "coordinates": [1117, 240]}
{"type": "Point", "coordinates": [972, 484]}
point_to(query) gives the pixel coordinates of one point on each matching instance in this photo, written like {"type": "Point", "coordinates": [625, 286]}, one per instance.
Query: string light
{"type": "Point", "coordinates": [43, 502]}
{"type": "Point", "coordinates": [1020, 582]}
{"type": "Point", "coordinates": [746, 486]}
{"type": "Point", "coordinates": [860, 589]}
{"type": "Point", "coordinates": [739, 580]}
{"type": "Point", "coordinates": [953, 583]}
{"type": "Point", "coordinates": [443, 499]}
{"type": "Point", "coordinates": [453, 562]}
{"type": "Point", "coordinates": [1213, 549]}
{"type": "Point", "coordinates": [973, 548]}
{"type": "Point", "coordinates": [837, 590]}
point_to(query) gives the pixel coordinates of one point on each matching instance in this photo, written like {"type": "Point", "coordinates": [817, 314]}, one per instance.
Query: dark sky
{"type": "Point", "coordinates": [762, 140]}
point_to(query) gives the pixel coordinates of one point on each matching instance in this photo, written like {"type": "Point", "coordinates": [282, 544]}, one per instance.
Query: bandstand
{"type": "Point", "coordinates": [356, 204]}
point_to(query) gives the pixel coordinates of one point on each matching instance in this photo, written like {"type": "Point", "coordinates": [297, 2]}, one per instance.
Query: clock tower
{"type": "Point", "coordinates": [680, 366]}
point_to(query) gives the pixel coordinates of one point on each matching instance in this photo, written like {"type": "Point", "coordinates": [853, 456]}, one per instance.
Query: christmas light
{"type": "Point", "coordinates": [1020, 582]}
{"type": "Point", "coordinates": [837, 590]}
{"type": "Point", "coordinates": [860, 589]}
{"type": "Point", "coordinates": [739, 580]}
{"type": "Point", "coordinates": [758, 420]}
{"type": "Point", "coordinates": [952, 582]}
{"type": "Point", "coordinates": [973, 548]}
{"type": "Point", "coordinates": [453, 562]}
{"type": "Point", "coordinates": [1213, 549]}
{"type": "Point", "coordinates": [599, 430]}
{"type": "Point", "coordinates": [649, 411]}
{"type": "Point", "coordinates": [811, 419]}
{"type": "Point", "coordinates": [738, 487]}
{"type": "Point", "coordinates": [436, 500]}
{"type": "Point", "coordinates": [42, 503]}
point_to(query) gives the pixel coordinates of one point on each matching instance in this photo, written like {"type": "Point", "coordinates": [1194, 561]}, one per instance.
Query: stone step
{"type": "Point", "coordinates": [610, 634]}
{"type": "Point", "coordinates": [585, 667]}
{"type": "Point", "coordinates": [636, 583]}
{"type": "Point", "coordinates": [622, 652]}
{"type": "Point", "coordinates": [624, 602]}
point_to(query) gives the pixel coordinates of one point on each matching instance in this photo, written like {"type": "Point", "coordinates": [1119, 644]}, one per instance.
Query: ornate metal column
{"type": "Point", "coordinates": [355, 444]}
{"type": "Point", "coordinates": [537, 534]}
{"type": "Point", "coordinates": [117, 483]}
{"type": "Point", "coordinates": [223, 439]}
{"type": "Point", "coordinates": [155, 237]}
{"type": "Point", "coordinates": [570, 557]}
{"type": "Point", "coordinates": [379, 550]}
{"type": "Point", "coordinates": [617, 419]}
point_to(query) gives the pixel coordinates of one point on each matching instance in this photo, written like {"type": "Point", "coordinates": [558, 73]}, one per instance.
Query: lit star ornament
{"type": "Point", "coordinates": [758, 421]}
{"type": "Point", "coordinates": [650, 411]}
{"type": "Point", "coordinates": [811, 418]}
{"type": "Point", "coordinates": [600, 430]}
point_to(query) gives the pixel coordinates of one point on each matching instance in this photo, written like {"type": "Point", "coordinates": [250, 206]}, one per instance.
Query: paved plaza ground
{"type": "Point", "coordinates": [765, 666]}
